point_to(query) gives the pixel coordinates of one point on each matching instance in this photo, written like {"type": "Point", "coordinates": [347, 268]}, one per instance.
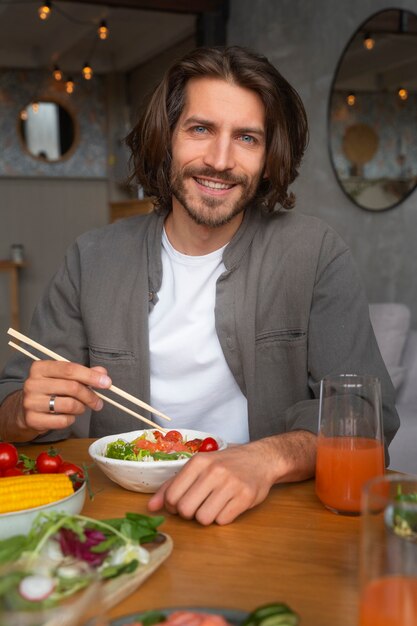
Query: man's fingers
{"type": "Point", "coordinates": [69, 382]}
{"type": "Point", "coordinates": [40, 403]}
{"type": "Point", "coordinates": [157, 500]}
{"type": "Point", "coordinates": [215, 487]}
{"type": "Point", "coordinates": [37, 393]}
{"type": "Point", "coordinates": [39, 422]}
{"type": "Point", "coordinates": [93, 377]}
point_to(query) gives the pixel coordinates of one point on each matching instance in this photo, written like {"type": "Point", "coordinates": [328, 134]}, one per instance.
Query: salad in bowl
{"type": "Point", "coordinates": [143, 460]}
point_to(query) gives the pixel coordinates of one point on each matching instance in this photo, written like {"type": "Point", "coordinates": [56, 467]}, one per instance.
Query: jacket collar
{"type": "Point", "coordinates": [232, 255]}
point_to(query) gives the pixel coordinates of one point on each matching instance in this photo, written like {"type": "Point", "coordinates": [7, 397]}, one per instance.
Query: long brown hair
{"type": "Point", "coordinates": [285, 116]}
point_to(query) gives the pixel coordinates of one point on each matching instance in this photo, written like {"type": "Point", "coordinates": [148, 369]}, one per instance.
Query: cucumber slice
{"type": "Point", "coordinates": [275, 614]}
{"type": "Point", "coordinates": [284, 619]}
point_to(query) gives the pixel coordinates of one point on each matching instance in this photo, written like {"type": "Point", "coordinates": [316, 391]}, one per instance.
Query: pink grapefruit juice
{"type": "Point", "coordinates": [344, 464]}
{"type": "Point", "coordinates": [390, 601]}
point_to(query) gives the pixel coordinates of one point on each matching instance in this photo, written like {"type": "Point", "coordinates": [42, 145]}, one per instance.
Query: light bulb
{"type": "Point", "coordinates": [402, 93]}
{"type": "Point", "coordinates": [69, 86]}
{"type": "Point", "coordinates": [351, 99]}
{"type": "Point", "coordinates": [368, 41]}
{"type": "Point", "coordinates": [103, 31]}
{"type": "Point", "coordinates": [35, 107]}
{"type": "Point", "coordinates": [57, 74]}
{"type": "Point", "coordinates": [87, 71]}
{"type": "Point", "coordinates": [23, 115]}
{"type": "Point", "coordinates": [44, 10]}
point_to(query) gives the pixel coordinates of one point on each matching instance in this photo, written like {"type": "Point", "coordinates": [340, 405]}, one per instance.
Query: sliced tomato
{"type": "Point", "coordinates": [209, 445]}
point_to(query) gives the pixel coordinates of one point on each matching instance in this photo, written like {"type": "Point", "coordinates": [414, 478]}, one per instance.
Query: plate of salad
{"type": "Point", "coordinates": [272, 614]}
{"type": "Point", "coordinates": [63, 553]}
{"type": "Point", "coordinates": [143, 460]}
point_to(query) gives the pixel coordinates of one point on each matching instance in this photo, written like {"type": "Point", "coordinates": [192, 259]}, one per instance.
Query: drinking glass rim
{"type": "Point", "coordinates": [370, 490]}
{"type": "Point", "coordinates": [361, 377]}
{"type": "Point", "coordinates": [391, 478]}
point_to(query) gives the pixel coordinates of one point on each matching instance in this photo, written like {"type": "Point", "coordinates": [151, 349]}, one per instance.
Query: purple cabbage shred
{"type": "Point", "coordinates": [72, 546]}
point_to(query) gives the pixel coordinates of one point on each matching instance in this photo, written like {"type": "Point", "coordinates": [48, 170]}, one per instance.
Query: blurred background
{"type": "Point", "coordinates": [74, 76]}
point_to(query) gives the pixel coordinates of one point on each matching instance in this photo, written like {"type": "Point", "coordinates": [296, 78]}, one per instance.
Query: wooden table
{"type": "Point", "coordinates": [289, 548]}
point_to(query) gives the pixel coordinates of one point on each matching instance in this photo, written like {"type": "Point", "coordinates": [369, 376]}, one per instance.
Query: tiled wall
{"type": "Point", "coordinates": [18, 88]}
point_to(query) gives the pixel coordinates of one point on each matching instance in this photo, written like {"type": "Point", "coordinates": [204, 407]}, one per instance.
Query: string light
{"type": "Point", "coordinates": [23, 115]}
{"type": "Point", "coordinates": [69, 86]}
{"type": "Point", "coordinates": [44, 10]}
{"type": "Point", "coordinates": [351, 99]}
{"type": "Point", "coordinates": [402, 93]}
{"type": "Point", "coordinates": [57, 74]}
{"type": "Point", "coordinates": [368, 41]}
{"type": "Point", "coordinates": [103, 31]}
{"type": "Point", "coordinates": [35, 107]}
{"type": "Point", "coordinates": [87, 71]}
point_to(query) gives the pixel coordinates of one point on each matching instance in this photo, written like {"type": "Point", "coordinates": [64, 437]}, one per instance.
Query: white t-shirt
{"type": "Point", "coordinates": [190, 379]}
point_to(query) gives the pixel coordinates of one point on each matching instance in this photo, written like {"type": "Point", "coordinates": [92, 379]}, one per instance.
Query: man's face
{"type": "Point", "coordinates": [218, 151]}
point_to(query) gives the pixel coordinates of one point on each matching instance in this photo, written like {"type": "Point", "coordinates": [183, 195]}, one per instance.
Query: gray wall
{"type": "Point", "coordinates": [45, 215]}
{"type": "Point", "coordinates": [305, 40]}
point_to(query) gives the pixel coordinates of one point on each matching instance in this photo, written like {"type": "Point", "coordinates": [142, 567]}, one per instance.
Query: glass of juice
{"type": "Point", "coordinates": [388, 552]}
{"type": "Point", "coordinates": [350, 448]}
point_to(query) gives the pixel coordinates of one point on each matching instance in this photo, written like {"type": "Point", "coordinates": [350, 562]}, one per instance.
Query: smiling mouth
{"type": "Point", "coordinates": [210, 184]}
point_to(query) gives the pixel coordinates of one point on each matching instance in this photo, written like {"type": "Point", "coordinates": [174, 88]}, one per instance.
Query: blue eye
{"type": "Point", "coordinates": [199, 129]}
{"type": "Point", "coordinates": [247, 139]}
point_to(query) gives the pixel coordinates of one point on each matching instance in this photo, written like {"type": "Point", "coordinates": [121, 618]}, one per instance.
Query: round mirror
{"type": "Point", "coordinates": [47, 130]}
{"type": "Point", "coordinates": [372, 112]}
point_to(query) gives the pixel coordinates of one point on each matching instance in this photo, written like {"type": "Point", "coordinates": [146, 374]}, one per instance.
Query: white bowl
{"type": "Point", "coordinates": [19, 522]}
{"type": "Point", "coordinates": [143, 476]}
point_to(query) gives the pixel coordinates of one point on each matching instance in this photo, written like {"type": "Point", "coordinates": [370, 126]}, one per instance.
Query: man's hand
{"type": "Point", "coordinates": [26, 414]}
{"type": "Point", "coordinates": [219, 486]}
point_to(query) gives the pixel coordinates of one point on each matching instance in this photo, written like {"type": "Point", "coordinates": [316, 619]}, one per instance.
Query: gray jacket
{"type": "Point", "coordinates": [290, 309]}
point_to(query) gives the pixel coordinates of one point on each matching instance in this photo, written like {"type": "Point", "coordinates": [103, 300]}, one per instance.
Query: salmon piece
{"type": "Point", "coordinates": [187, 618]}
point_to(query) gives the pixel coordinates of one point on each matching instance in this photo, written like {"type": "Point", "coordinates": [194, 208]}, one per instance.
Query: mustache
{"type": "Point", "coordinates": [209, 172]}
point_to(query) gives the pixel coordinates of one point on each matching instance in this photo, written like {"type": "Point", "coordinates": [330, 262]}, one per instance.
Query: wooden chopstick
{"type": "Point", "coordinates": [57, 357]}
{"type": "Point", "coordinates": [100, 395]}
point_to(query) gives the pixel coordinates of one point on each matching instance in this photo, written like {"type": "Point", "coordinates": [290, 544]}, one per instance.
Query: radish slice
{"type": "Point", "coordinates": [36, 587]}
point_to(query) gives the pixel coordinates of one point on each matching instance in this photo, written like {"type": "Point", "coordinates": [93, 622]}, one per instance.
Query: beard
{"type": "Point", "coordinates": [212, 211]}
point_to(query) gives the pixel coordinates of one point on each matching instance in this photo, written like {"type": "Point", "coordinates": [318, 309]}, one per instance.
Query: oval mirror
{"type": "Point", "coordinates": [47, 130]}
{"type": "Point", "coordinates": [372, 112]}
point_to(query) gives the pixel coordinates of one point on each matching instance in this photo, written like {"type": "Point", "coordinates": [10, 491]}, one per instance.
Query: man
{"type": "Point", "coordinates": [221, 308]}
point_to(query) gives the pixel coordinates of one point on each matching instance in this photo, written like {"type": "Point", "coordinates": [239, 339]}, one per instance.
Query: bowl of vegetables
{"type": "Point", "coordinates": [29, 487]}
{"type": "Point", "coordinates": [142, 460]}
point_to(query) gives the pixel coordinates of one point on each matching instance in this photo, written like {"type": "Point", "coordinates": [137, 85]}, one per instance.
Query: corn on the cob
{"type": "Point", "coordinates": [25, 492]}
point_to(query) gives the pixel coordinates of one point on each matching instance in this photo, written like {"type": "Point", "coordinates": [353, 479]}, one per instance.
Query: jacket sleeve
{"type": "Point", "coordinates": [56, 324]}
{"type": "Point", "coordinates": [340, 335]}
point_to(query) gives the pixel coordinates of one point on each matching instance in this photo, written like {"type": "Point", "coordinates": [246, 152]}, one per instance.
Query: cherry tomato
{"type": "Point", "coordinates": [208, 445]}
{"type": "Point", "coordinates": [70, 469]}
{"type": "Point", "coordinates": [48, 462]}
{"type": "Point", "coordinates": [173, 435]}
{"type": "Point", "coordinates": [8, 456]}
{"type": "Point", "coordinates": [12, 471]}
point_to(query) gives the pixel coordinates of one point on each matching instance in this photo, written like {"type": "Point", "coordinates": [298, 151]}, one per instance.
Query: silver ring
{"type": "Point", "coordinates": [52, 404]}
